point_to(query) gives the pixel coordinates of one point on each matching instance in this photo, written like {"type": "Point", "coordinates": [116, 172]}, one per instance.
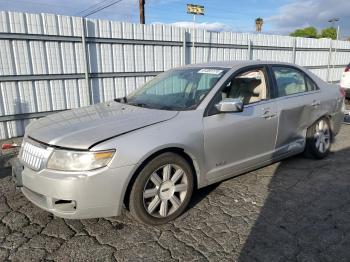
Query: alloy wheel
{"type": "Point", "coordinates": [165, 190]}
{"type": "Point", "coordinates": [322, 136]}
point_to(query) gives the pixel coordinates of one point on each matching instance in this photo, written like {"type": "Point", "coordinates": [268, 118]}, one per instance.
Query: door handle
{"type": "Point", "coordinates": [315, 103]}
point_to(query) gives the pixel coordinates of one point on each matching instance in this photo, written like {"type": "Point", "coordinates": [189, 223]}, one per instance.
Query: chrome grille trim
{"type": "Point", "coordinates": [33, 156]}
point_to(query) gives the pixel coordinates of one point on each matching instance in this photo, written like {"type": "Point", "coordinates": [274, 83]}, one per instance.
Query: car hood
{"type": "Point", "coordinates": [82, 128]}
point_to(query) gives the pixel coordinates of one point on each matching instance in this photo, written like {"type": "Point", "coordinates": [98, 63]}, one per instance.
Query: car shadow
{"type": "Point", "coordinates": [5, 172]}
{"type": "Point", "coordinates": [306, 215]}
{"type": "Point", "coordinates": [5, 164]}
{"type": "Point", "coordinates": [200, 194]}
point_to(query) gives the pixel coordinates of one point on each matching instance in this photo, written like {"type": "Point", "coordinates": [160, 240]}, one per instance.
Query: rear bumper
{"type": "Point", "coordinates": [77, 195]}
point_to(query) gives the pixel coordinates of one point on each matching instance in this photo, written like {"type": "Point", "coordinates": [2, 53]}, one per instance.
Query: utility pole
{"type": "Point", "coordinates": [142, 12]}
{"type": "Point", "coordinates": [333, 20]}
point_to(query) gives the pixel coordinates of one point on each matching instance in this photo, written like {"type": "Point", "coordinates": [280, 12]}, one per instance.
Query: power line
{"type": "Point", "coordinates": [104, 7]}
{"type": "Point", "coordinates": [90, 8]}
{"type": "Point", "coordinates": [98, 7]}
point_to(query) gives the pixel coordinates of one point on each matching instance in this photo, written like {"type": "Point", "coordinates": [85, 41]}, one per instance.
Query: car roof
{"type": "Point", "coordinates": [238, 63]}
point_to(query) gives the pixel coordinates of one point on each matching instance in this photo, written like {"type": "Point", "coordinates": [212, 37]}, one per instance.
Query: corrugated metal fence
{"type": "Point", "coordinates": [50, 62]}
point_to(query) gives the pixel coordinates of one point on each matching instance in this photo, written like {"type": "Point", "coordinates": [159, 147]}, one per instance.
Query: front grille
{"type": "Point", "coordinates": [33, 156]}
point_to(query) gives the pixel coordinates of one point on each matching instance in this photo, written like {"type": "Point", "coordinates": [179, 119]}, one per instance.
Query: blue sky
{"type": "Point", "coordinates": [281, 16]}
{"type": "Point", "coordinates": [237, 15]}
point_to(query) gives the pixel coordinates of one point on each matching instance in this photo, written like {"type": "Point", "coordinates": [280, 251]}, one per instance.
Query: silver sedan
{"type": "Point", "coordinates": [187, 128]}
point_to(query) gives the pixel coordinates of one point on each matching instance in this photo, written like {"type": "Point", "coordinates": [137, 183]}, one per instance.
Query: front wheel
{"type": "Point", "coordinates": [162, 190]}
{"type": "Point", "coordinates": [318, 139]}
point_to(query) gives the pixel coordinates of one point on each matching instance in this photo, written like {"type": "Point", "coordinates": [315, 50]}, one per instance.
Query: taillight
{"type": "Point", "coordinates": [342, 91]}
{"type": "Point", "coordinates": [347, 69]}
{"type": "Point", "coordinates": [8, 146]}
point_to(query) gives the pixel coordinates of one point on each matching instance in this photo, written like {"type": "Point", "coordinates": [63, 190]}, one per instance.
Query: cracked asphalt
{"type": "Point", "coordinates": [294, 210]}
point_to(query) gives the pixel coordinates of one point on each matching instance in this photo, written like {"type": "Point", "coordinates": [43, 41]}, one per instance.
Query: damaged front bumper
{"type": "Point", "coordinates": [76, 195]}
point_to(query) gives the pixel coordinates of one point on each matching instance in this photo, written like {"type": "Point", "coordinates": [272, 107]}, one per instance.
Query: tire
{"type": "Point", "coordinates": [318, 139]}
{"type": "Point", "coordinates": [162, 190]}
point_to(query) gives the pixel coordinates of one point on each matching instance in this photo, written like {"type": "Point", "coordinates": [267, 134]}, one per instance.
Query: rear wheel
{"type": "Point", "coordinates": [162, 190]}
{"type": "Point", "coordinates": [318, 139]}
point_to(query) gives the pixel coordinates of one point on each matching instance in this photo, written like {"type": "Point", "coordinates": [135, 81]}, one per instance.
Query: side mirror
{"type": "Point", "coordinates": [230, 105]}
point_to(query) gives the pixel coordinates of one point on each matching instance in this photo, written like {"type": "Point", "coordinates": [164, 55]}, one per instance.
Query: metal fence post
{"type": "Point", "coordinates": [184, 47]}
{"type": "Point", "coordinates": [294, 52]}
{"type": "Point", "coordinates": [86, 62]}
{"type": "Point", "coordinates": [249, 55]}
{"type": "Point", "coordinates": [184, 51]}
{"type": "Point", "coordinates": [329, 60]}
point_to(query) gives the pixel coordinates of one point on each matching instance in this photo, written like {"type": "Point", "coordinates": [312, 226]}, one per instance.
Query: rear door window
{"type": "Point", "coordinates": [289, 81]}
{"type": "Point", "coordinates": [311, 86]}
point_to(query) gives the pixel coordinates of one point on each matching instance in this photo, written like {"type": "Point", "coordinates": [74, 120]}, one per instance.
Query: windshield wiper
{"type": "Point", "coordinates": [126, 101]}
{"type": "Point", "coordinates": [166, 108]}
{"type": "Point", "coordinates": [138, 104]}
{"type": "Point", "coordinates": [143, 105]}
{"type": "Point", "coordinates": [121, 100]}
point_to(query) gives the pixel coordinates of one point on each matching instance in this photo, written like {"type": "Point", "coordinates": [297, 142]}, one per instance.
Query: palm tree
{"type": "Point", "coordinates": [258, 24]}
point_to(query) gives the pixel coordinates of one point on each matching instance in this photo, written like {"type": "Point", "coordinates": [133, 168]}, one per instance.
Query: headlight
{"type": "Point", "coordinates": [67, 160]}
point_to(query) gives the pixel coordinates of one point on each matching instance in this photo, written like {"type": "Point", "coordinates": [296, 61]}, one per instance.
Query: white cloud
{"type": "Point", "coordinates": [301, 13]}
{"type": "Point", "coordinates": [214, 27]}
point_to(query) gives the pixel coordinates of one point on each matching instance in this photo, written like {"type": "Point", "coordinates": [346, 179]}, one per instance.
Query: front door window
{"type": "Point", "coordinates": [249, 86]}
